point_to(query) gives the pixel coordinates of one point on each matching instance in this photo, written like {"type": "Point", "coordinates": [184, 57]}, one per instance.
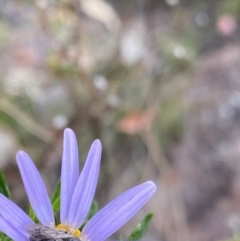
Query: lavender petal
{"type": "Point", "coordinates": [11, 212]}
{"type": "Point", "coordinates": [86, 186]}
{"type": "Point", "coordinates": [69, 173]}
{"type": "Point", "coordinates": [35, 188]}
{"type": "Point", "coordinates": [110, 218]}
{"type": "Point", "coordinates": [15, 234]}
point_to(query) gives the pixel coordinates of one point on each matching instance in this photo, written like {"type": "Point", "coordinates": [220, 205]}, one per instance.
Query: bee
{"type": "Point", "coordinates": [43, 233]}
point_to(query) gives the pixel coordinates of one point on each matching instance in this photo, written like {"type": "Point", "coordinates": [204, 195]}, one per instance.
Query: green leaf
{"type": "Point", "coordinates": [32, 215]}
{"type": "Point", "coordinates": [93, 210]}
{"type": "Point", "coordinates": [55, 200]}
{"type": "Point", "coordinates": [3, 237]}
{"type": "Point", "coordinates": [4, 187]}
{"type": "Point", "coordinates": [56, 205]}
{"type": "Point", "coordinates": [140, 230]}
{"type": "Point", "coordinates": [120, 238]}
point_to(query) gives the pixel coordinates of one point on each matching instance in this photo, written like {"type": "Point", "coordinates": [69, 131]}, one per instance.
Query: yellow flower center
{"type": "Point", "coordinates": [72, 231]}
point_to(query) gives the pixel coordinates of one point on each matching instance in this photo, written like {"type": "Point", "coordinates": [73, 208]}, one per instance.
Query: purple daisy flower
{"type": "Point", "coordinates": [77, 194]}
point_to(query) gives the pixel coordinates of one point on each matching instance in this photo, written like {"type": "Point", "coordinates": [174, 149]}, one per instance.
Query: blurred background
{"type": "Point", "coordinates": [157, 81]}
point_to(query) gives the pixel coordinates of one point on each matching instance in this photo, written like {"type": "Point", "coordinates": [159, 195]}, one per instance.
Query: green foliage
{"type": "Point", "coordinates": [229, 7]}
{"type": "Point", "coordinates": [56, 198]}
{"type": "Point", "coordinates": [3, 186]}
{"type": "Point", "coordinates": [3, 237]}
{"type": "Point", "coordinates": [140, 230]}
{"type": "Point", "coordinates": [3, 33]}
{"type": "Point", "coordinates": [170, 125]}
{"type": "Point", "coordinates": [233, 239]}
{"type": "Point", "coordinates": [32, 215]}
{"type": "Point", "coordinates": [93, 210]}
{"type": "Point", "coordinates": [61, 67]}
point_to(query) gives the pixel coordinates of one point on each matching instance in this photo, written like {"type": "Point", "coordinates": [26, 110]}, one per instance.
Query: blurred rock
{"type": "Point", "coordinates": [7, 147]}
{"type": "Point", "coordinates": [208, 157]}
{"type": "Point", "coordinates": [132, 46]}
{"type": "Point", "coordinates": [103, 12]}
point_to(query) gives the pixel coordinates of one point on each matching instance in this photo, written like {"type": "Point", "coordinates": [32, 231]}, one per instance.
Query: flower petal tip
{"type": "Point", "coordinates": [20, 155]}
{"type": "Point", "coordinates": [98, 143]}
{"type": "Point", "coordinates": [152, 185]}
{"type": "Point", "coordinates": [97, 146]}
{"type": "Point", "coordinates": [68, 131]}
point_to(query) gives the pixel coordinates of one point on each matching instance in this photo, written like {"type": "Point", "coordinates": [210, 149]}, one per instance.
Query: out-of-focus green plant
{"type": "Point", "coordinates": [141, 229]}
{"type": "Point", "coordinates": [4, 187]}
